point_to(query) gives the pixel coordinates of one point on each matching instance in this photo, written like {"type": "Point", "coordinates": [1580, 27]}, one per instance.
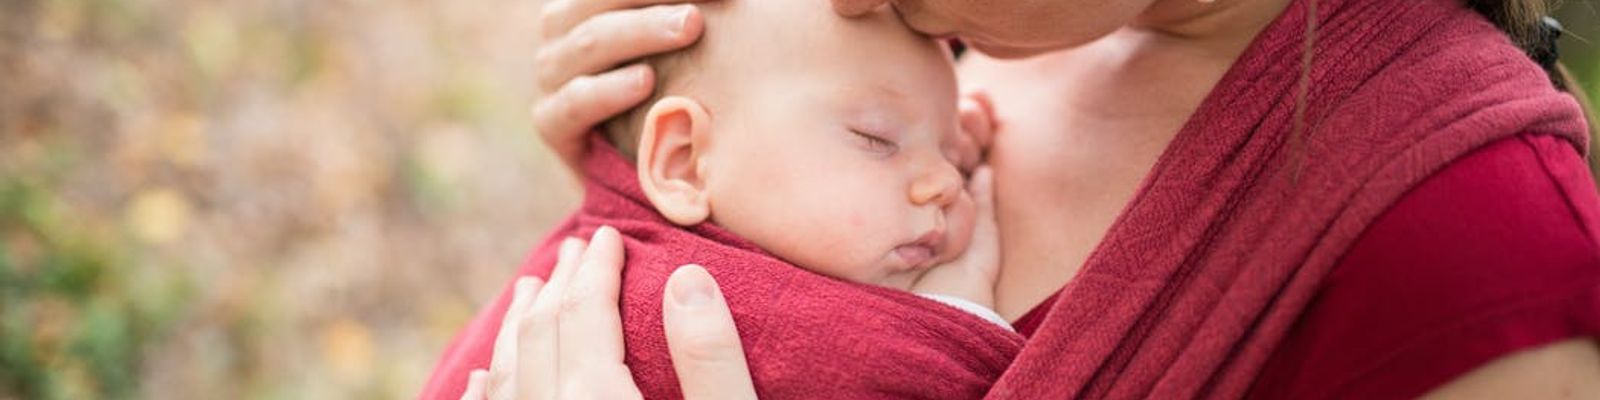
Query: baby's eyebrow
{"type": "Point", "coordinates": [877, 100]}
{"type": "Point", "coordinates": [874, 90]}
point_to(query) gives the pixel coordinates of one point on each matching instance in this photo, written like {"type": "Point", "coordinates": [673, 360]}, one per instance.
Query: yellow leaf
{"type": "Point", "coordinates": [347, 349]}
{"type": "Point", "coordinates": [158, 216]}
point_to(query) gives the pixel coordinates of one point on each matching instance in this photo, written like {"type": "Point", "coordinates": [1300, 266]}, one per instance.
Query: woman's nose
{"type": "Point", "coordinates": [939, 185]}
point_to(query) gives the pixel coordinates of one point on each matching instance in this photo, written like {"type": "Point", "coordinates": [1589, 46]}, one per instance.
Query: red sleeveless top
{"type": "Point", "coordinates": [1492, 255]}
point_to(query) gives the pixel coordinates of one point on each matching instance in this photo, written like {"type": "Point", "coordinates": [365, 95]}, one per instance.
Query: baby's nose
{"type": "Point", "coordinates": [939, 185]}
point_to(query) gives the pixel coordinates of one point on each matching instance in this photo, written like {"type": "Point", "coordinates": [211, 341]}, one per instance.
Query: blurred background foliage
{"type": "Point", "coordinates": [262, 198]}
{"type": "Point", "coordinates": [277, 198]}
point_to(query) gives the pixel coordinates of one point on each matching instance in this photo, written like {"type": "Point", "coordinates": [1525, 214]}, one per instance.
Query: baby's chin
{"type": "Point", "coordinates": [899, 280]}
{"type": "Point", "coordinates": [891, 268]}
{"type": "Point", "coordinates": [886, 271]}
{"type": "Point", "coordinates": [898, 272]}
{"type": "Point", "coordinates": [883, 270]}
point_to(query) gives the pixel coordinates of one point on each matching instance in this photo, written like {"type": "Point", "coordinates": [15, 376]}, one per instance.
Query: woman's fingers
{"type": "Point", "coordinates": [609, 39]}
{"type": "Point", "coordinates": [476, 383]}
{"type": "Point", "coordinates": [500, 382]}
{"type": "Point", "coordinates": [564, 118]}
{"type": "Point", "coordinates": [571, 343]}
{"type": "Point", "coordinates": [538, 336]}
{"type": "Point", "coordinates": [557, 17]}
{"type": "Point", "coordinates": [584, 39]}
{"type": "Point", "coordinates": [591, 326]}
{"type": "Point", "coordinates": [702, 338]}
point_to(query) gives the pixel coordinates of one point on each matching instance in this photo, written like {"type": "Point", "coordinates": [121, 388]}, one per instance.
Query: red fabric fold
{"type": "Point", "coordinates": [1238, 223]}
{"type": "Point", "coordinates": [805, 335]}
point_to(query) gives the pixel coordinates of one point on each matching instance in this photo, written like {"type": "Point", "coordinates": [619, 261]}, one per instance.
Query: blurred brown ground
{"type": "Point", "coordinates": [276, 198]}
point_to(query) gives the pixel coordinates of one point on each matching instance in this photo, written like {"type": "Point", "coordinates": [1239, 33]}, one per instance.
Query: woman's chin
{"type": "Point", "coordinates": [1000, 51]}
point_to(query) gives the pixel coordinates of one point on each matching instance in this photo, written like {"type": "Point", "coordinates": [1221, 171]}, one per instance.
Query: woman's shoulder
{"type": "Point", "coordinates": [1497, 252]}
{"type": "Point", "coordinates": [1460, 45]}
{"type": "Point", "coordinates": [1519, 193]}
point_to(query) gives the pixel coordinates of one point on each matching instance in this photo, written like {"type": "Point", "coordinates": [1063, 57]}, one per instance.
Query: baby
{"type": "Point", "coordinates": [789, 136]}
{"type": "Point", "coordinates": [830, 151]}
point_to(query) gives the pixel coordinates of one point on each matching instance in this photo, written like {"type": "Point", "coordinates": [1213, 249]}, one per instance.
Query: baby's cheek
{"type": "Point", "coordinates": [856, 221]}
{"type": "Point", "coordinates": [853, 252]}
{"type": "Point", "coordinates": [821, 239]}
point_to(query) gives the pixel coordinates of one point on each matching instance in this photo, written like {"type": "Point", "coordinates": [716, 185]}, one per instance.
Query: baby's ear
{"type": "Point", "coordinates": [670, 149]}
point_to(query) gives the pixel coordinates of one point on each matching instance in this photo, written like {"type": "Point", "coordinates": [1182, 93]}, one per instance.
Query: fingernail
{"type": "Point", "coordinates": [604, 229]}
{"type": "Point", "coordinates": [597, 245]}
{"type": "Point", "coordinates": [691, 287]}
{"type": "Point", "coordinates": [679, 20]}
{"type": "Point", "coordinates": [570, 247]}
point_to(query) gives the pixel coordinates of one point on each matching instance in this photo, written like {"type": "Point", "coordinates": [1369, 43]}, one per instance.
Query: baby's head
{"type": "Point", "coordinates": [821, 139]}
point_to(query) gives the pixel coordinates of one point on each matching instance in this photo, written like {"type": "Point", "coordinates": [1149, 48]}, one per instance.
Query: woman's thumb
{"type": "Point", "coordinates": [702, 339]}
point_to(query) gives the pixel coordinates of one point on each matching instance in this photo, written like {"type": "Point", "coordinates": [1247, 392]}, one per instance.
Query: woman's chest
{"type": "Point", "coordinates": [1072, 145]}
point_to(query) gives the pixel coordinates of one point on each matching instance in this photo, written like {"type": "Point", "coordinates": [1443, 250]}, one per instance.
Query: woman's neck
{"type": "Point", "coordinates": [1169, 59]}
{"type": "Point", "coordinates": [1083, 126]}
{"type": "Point", "coordinates": [1217, 28]}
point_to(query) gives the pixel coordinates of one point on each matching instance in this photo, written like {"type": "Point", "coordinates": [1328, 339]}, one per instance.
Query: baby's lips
{"type": "Point", "coordinates": [922, 251]}
{"type": "Point", "coordinates": [915, 255]}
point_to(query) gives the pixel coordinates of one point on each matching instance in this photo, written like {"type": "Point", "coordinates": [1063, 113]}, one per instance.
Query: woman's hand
{"type": "Point", "coordinates": [579, 84]}
{"type": "Point", "coordinates": [564, 339]}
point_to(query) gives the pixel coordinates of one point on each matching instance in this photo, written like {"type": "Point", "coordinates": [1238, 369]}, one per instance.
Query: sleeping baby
{"type": "Point", "coordinates": [826, 146]}
{"type": "Point", "coordinates": [806, 161]}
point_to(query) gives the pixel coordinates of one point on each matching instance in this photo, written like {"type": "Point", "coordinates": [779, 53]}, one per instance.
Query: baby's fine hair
{"type": "Point", "coordinates": [673, 70]}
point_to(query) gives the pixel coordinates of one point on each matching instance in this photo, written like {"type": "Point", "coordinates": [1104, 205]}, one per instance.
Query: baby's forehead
{"type": "Point", "coordinates": [801, 49]}
{"type": "Point", "coordinates": [800, 31]}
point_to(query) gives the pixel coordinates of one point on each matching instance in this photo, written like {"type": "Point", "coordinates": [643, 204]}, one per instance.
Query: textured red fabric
{"type": "Point", "coordinates": [1494, 254]}
{"type": "Point", "coordinates": [805, 335]}
{"type": "Point", "coordinates": [1029, 322]}
{"type": "Point", "coordinates": [1241, 219]}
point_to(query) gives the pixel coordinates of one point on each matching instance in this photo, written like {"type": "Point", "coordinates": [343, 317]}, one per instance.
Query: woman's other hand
{"type": "Point", "coordinates": [576, 66]}
{"type": "Point", "coordinates": [564, 339]}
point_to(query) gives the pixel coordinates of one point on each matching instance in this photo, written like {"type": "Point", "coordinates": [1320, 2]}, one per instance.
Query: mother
{"type": "Point", "coordinates": [1231, 198]}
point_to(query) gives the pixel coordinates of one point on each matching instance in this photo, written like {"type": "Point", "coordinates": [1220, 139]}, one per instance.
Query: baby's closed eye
{"type": "Point", "coordinates": [876, 143]}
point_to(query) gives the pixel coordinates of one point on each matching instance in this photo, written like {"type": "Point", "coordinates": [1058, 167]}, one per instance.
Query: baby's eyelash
{"type": "Point", "coordinates": [877, 144]}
